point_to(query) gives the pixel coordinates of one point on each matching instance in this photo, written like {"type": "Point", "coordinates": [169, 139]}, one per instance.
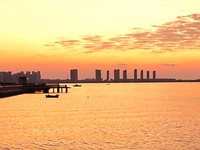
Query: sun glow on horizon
{"type": "Point", "coordinates": [60, 35]}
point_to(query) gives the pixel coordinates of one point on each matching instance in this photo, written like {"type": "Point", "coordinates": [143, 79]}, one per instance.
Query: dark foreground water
{"type": "Point", "coordinates": [162, 116]}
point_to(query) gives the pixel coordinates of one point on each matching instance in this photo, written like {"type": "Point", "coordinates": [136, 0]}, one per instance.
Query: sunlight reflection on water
{"type": "Point", "coordinates": [100, 116]}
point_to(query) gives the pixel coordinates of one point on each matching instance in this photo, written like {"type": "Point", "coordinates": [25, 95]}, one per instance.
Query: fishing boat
{"type": "Point", "coordinates": [77, 85]}
{"type": "Point", "coordinates": [52, 96]}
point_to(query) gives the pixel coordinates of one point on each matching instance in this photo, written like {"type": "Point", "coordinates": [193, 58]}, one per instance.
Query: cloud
{"type": "Point", "coordinates": [169, 65]}
{"type": "Point", "coordinates": [122, 65]}
{"type": "Point", "coordinates": [68, 43]}
{"type": "Point", "coordinates": [181, 34]}
{"type": "Point", "coordinates": [50, 45]}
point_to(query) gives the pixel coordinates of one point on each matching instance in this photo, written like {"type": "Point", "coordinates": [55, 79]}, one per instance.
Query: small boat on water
{"type": "Point", "coordinates": [77, 85]}
{"type": "Point", "coordinates": [52, 96]}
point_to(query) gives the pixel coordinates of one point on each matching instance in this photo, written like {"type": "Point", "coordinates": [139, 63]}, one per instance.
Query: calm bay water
{"type": "Point", "coordinates": [98, 116]}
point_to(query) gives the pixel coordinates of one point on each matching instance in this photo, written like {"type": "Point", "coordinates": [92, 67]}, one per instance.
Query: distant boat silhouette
{"type": "Point", "coordinates": [52, 96]}
{"type": "Point", "coordinates": [77, 85]}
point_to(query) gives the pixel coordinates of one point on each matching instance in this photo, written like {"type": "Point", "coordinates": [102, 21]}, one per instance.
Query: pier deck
{"type": "Point", "coordinates": [11, 90]}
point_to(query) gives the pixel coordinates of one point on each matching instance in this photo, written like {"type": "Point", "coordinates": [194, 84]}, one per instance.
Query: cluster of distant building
{"type": "Point", "coordinates": [98, 75]}
{"type": "Point", "coordinates": [35, 77]}
{"type": "Point", "coordinates": [8, 77]}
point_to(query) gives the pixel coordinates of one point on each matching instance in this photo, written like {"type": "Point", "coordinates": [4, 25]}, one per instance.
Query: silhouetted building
{"type": "Point", "coordinates": [8, 77]}
{"type": "Point", "coordinates": [135, 74]}
{"type": "Point", "coordinates": [36, 77]}
{"type": "Point", "coordinates": [98, 75]}
{"type": "Point", "coordinates": [23, 80]}
{"type": "Point", "coordinates": [74, 75]}
{"type": "Point", "coordinates": [141, 74]}
{"type": "Point", "coordinates": [29, 76]}
{"type": "Point", "coordinates": [154, 75]}
{"type": "Point", "coordinates": [16, 76]}
{"type": "Point", "coordinates": [148, 75]}
{"type": "Point", "coordinates": [116, 75]}
{"type": "Point", "coordinates": [107, 75]}
{"type": "Point", "coordinates": [124, 74]}
{"type": "Point", "coordinates": [5, 77]}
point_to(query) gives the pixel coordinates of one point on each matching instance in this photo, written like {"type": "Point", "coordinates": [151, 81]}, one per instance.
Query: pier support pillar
{"type": "Point", "coordinates": [66, 89]}
{"type": "Point", "coordinates": [58, 89]}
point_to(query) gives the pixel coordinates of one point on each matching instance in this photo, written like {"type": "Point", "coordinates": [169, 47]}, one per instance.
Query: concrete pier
{"type": "Point", "coordinates": [6, 91]}
{"type": "Point", "coordinates": [10, 91]}
{"type": "Point", "coordinates": [59, 88]}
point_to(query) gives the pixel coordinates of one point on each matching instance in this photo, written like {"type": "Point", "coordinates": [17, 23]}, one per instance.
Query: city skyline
{"type": "Point", "coordinates": [125, 34]}
{"type": "Point", "coordinates": [35, 77]}
{"type": "Point", "coordinates": [99, 76]}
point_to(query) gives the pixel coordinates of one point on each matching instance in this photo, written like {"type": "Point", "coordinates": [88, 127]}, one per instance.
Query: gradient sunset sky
{"type": "Point", "coordinates": [54, 36]}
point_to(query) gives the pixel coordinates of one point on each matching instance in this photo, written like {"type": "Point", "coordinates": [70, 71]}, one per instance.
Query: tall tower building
{"type": "Point", "coordinates": [141, 74]}
{"type": "Point", "coordinates": [107, 75]}
{"type": "Point", "coordinates": [148, 75]}
{"type": "Point", "coordinates": [39, 76]}
{"type": "Point", "coordinates": [98, 75]}
{"type": "Point", "coordinates": [74, 75]}
{"type": "Point", "coordinates": [135, 74]}
{"type": "Point", "coordinates": [116, 75]}
{"type": "Point", "coordinates": [34, 77]}
{"type": "Point", "coordinates": [124, 74]}
{"type": "Point", "coordinates": [154, 75]}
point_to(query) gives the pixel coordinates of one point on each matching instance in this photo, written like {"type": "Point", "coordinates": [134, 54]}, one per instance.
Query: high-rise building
{"type": "Point", "coordinates": [116, 75]}
{"type": "Point", "coordinates": [124, 74]}
{"type": "Point", "coordinates": [74, 75]}
{"type": "Point", "coordinates": [148, 75]}
{"type": "Point", "coordinates": [22, 80]}
{"type": "Point", "coordinates": [5, 77]}
{"type": "Point", "coordinates": [98, 75]}
{"type": "Point", "coordinates": [154, 75]}
{"type": "Point", "coordinates": [107, 75]}
{"type": "Point", "coordinates": [36, 77]}
{"type": "Point", "coordinates": [29, 77]}
{"type": "Point", "coordinates": [141, 74]}
{"type": "Point", "coordinates": [135, 74]}
{"type": "Point", "coordinates": [17, 76]}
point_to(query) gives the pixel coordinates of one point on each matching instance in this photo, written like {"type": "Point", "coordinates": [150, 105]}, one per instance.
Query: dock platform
{"type": "Point", "coordinates": [11, 90]}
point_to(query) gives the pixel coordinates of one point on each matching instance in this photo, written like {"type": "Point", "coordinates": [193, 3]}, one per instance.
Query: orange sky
{"type": "Point", "coordinates": [55, 36]}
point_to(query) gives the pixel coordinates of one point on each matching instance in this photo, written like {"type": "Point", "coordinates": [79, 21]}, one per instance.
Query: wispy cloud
{"type": "Point", "coordinates": [68, 43]}
{"type": "Point", "coordinates": [169, 65]}
{"type": "Point", "coordinates": [180, 34]}
{"type": "Point", "coordinates": [122, 65]}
